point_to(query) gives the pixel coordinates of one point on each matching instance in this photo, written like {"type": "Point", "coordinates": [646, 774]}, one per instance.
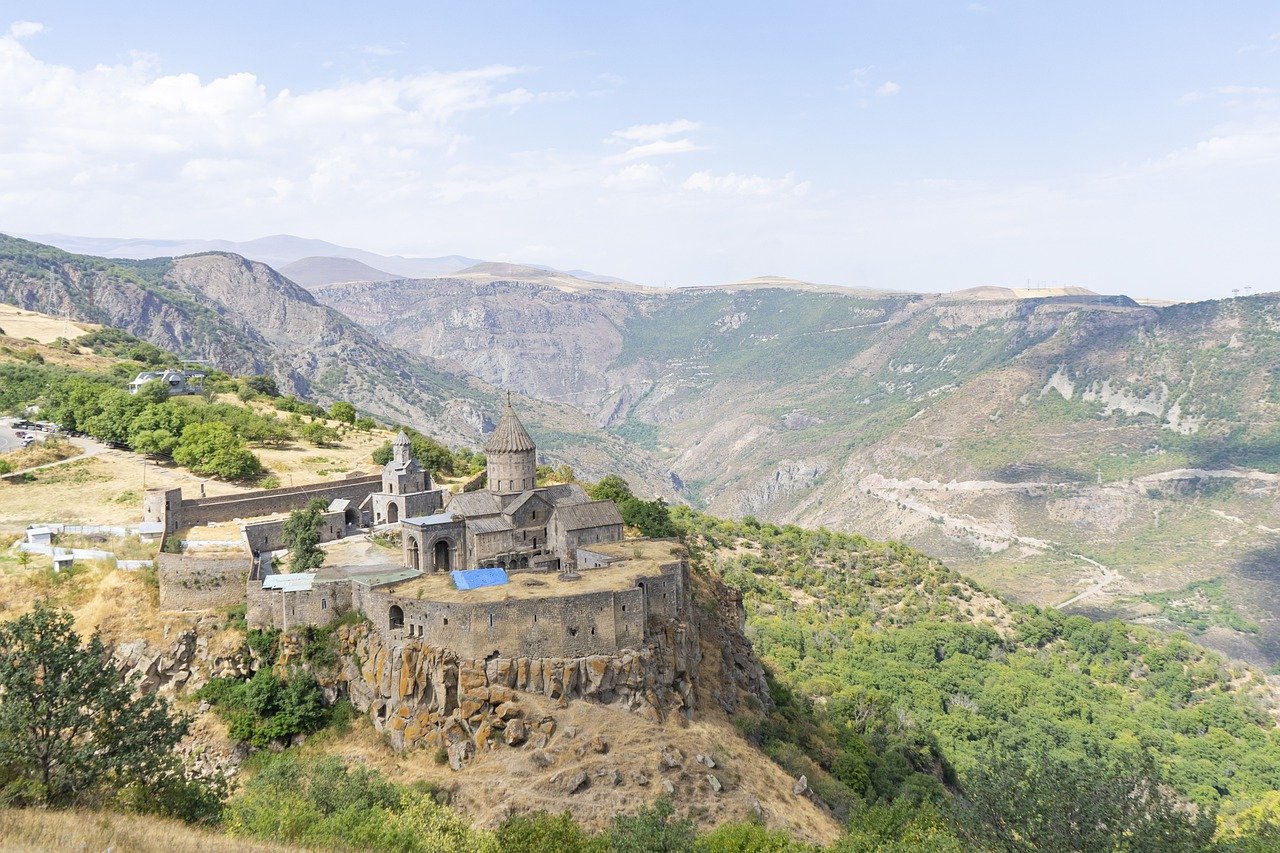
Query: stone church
{"type": "Point", "coordinates": [512, 523]}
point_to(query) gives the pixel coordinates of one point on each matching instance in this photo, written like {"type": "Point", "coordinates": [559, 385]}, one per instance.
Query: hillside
{"type": "Point", "coordinates": [243, 317]}
{"type": "Point", "coordinates": [315, 271]}
{"type": "Point", "coordinates": [1062, 447]}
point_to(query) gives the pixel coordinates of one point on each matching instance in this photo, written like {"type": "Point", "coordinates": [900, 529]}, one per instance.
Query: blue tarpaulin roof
{"type": "Point", "coordinates": [476, 578]}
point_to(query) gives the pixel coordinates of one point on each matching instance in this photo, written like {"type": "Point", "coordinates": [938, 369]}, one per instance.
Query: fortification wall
{"type": "Point", "coordinates": [263, 536]}
{"type": "Point", "coordinates": [201, 582]}
{"type": "Point", "coordinates": [169, 507]}
{"type": "Point", "coordinates": [320, 605]}
{"type": "Point", "coordinates": [581, 625]}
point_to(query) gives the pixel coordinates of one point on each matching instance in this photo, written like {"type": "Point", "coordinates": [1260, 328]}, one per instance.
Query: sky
{"type": "Point", "coordinates": [1126, 147]}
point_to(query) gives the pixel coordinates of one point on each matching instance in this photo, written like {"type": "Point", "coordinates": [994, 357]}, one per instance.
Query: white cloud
{"type": "Point", "coordinates": [888, 89]}
{"type": "Point", "coordinates": [653, 132]}
{"type": "Point", "coordinates": [224, 144]}
{"type": "Point", "coordinates": [661, 148]}
{"type": "Point", "coordinates": [978, 8]}
{"type": "Point", "coordinates": [745, 185]}
{"type": "Point", "coordinates": [635, 176]}
{"type": "Point", "coordinates": [25, 29]}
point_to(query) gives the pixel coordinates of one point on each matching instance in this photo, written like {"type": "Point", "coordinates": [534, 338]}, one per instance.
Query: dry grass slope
{"type": "Point", "coordinates": [38, 831]}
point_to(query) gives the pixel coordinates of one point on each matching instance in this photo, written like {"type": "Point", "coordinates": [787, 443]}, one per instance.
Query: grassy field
{"type": "Point", "coordinates": [41, 328]}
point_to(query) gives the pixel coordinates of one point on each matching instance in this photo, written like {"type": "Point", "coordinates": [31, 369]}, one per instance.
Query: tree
{"type": "Point", "coordinates": [318, 433]}
{"type": "Point", "coordinates": [262, 385]}
{"type": "Point", "coordinates": [611, 488]}
{"type": "Point", "coordinates": [651, 830]}
{"type": "Point", "coordinates": [302, 536]}
{"type": "Point", "coordinates": [71, 728]}
{"type": "Point", "coordinates": [749, 838]}
{"type": "Point", "coordinates": [214, 448]}
{"type": "Point", "coordinates": [1034, 800]}
{"type": "Point", "coordinates": [341, 411]}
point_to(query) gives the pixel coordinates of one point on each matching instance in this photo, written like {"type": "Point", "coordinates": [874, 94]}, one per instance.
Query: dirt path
{"type": "Point", "coordinates": [984, 535]}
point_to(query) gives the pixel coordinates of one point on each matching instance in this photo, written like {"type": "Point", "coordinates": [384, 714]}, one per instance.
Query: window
{"type": "Point", "coordinates": [324, 604]}
{"type": "Point", "coordinates": [490, 620]}
{"type": "Point", "coordinates": [624, 608]}
{"type": "Point", "coordinates": [573, 632]}
{"type": "Point", "coordinates": [446, 620]}
{"type": "Point", "coordinates": [534, 515]}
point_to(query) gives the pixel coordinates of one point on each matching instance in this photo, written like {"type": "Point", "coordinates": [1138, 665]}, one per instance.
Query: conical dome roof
{"type": "Point", "coordinates": [509, 437]}
{"type": "Point", "coordinates": [401, 440]}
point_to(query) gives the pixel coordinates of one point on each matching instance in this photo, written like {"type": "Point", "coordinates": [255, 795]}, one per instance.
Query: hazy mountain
{"type": "Point", "coordinates": [281, 250]}
{"type": "Point", "coordinates": [1063, 444]}
{"type": "Point", "coordinates": [317, 271]}
{"type": "Point", "coordinates": [242, 316]}
{"type": "Point", "coordinates": [277, 251]}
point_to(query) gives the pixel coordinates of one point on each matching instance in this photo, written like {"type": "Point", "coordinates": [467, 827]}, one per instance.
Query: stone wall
{"type": "Point", "coordinates": [321, 605]}
{"type": "Point", "coordinates": [160, 505]}
{"type": "Point", "coordinates": [263, 536]}
{"type": "Point", "coordinates": [579, 625]}
{"type": "Point", "coordinates": [201, 582]}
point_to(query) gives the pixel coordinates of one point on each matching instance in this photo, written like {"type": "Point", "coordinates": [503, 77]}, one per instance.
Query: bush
{"type": "Point", "coordinates": [544, 833]}
{"type": "Point", "coordinates": [267, 707]}
{"type": "Point", "coordinates": [324, 803]}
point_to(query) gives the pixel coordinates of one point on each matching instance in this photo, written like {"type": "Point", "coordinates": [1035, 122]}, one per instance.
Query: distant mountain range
{"type": "Point", "coordinates": [307, 262]}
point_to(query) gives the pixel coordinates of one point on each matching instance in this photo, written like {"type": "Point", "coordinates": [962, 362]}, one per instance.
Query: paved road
{"type": "Point", "coordinates": [8, 441]}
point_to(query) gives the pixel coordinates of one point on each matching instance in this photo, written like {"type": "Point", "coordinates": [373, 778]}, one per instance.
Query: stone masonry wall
{"type": "Point", "coordinates": [227, 507]}
{"type": "Point", "coordinates": [194, 582]}
{"type": "Point", "coordinates": [318, 606]}
{"type": "Point", "coordinates": [269, 535]}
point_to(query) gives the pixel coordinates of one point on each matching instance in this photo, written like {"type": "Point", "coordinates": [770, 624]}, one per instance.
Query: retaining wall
{"type": "Point", "coordinates": [200, 582]}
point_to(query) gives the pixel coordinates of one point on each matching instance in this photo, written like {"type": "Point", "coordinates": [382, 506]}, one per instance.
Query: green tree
{"type": "Point", "coordinates": [1035, 800]}
{"type": "Point", "coordinates": [262, 385]}
{"type": "Point", "coordinates": [71, 728]}
{"type": "Point", "coordinates": [611, 488]}
{"type": "Point", "coordinates": [318, 433]}
{"type": "Point", "coordinates": [342, 411]}
{"type": "Point", "coordinates": [302, 536]}
{"type": "Point", "coordinates": [651, 830]}
{"type": "Point", "coordinates": [749, 838]}
{"type": "Point", "coordinates": [214, 448]}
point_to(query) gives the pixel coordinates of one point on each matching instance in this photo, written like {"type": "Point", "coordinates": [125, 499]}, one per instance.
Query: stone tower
{"type": "Point", "coordinates": [403, 475]}
{"type": "Point", "coordinates": [512, 455]}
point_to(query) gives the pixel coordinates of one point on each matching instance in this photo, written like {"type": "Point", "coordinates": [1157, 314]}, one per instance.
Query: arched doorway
{"type": "Point", "coordinates": [442, 554]}
{"type": "Point", "coordinates": [351, 517]}
{"type": "Point", "coordinates": [415, 555]}
{"type": "Point", "coordinates": [395, 620]}
{"type": "Point", "coordinates": [393, 512]}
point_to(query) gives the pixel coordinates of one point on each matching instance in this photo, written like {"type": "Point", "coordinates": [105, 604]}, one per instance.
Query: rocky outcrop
{"type": "Point", "coordinates": [187, 662]}
{"type": "Point", "coordinates": [422, 695]}
{"type": "Point", "coordinates": [418, 694]}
